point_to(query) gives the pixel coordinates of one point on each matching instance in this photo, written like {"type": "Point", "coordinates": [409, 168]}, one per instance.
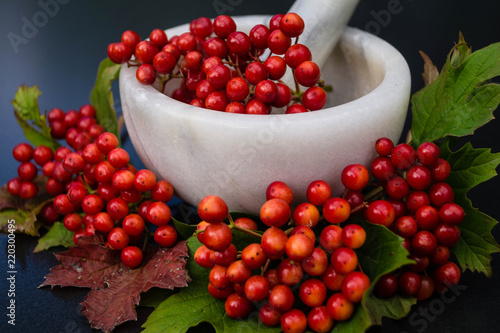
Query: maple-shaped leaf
{"type": "Point", "coordinates": [116, 289]}
{"type": "Point", "coordinates": [461, 98]}
{"type": "Point", "coordinates": [108, 307]}
{"type": "Point", "coordinates": [87, 265]}
{"type": "Point", "coordinates": [471, 167]}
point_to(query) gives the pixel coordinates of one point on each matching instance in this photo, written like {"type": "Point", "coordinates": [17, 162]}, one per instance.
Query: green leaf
{"type": "Point", "coordinates": [459, 100]}
{"type": "Point", "coordinates": [155, 296]}
{"type": "Point", "coordinates": [26, 103]}
{"type": "Point", "coordinates": [470, 167]}
{"type": "Point", "coordinates": [30, 119]}
{"type": "Point", "coordinates": [382, 253]}
{"type": "Point", "coordinates": [58, 235]}
{"type": "Point", "coordinates": [101, 96]}
{"type": "Point", "coordinates": [184, 229]}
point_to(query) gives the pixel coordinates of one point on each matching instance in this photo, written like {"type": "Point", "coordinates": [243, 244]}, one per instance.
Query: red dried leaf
{"type": "Point", "coordinates": [87, 265]}
{"type": "Point", "coordinates": [108, 307]}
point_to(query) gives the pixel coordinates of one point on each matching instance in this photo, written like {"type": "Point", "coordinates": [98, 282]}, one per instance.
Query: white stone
{"type": "Point", "coordinates": [236, 156]}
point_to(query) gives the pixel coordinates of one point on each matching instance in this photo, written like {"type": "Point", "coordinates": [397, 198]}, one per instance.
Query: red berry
{"type": "Point", "coordinates": [353, 236]}
{"type": "Point", "coordinates": [355, 177]}
{"type": "Point", "coordinates": [42, 154]}
{"type": "Point", "coordinates": [133, 224]}
{"type": "Point", "coordinates": [106, 142]}
{"type": "Point", "coordinates": [103, 222]}
{"type": "Point", "coordinates": [386, 286]}
{"type": "Point", "coordinates": [131, 256]}
{"type": "Point", "coordinates": [441, 170]}
{"type": "Point", "coordinates": [297, 54]}
{"type": "Point", "coordinates": [319, 320]}
{"type": "Point", "coordinates": [159, 213]}
{"type": "Point", "coordinates": [201, 27]}
{"type": "Point", "coordinates": [384, 146]}
{"type": "Point", "coordinates": [212, 209]}
{"type": "Point", "coordinates": [292, 24]}
{"type": "Point", "coordinates": [237, 306]}
{"type": "Point", "coordinates": [165, 236]}
{"type": "Point", "coordinates": [258, 35]}
{"type": "Point", "coordinates": [146, 74]}
{"type": "Point", "coordinates": [144, 180]}
{"type": "Point", "coordinates": [419, 177]}
{"type": "Point", "coordinates": [428, 153]}
{"type": "Point", "coordinates": [354, 286]}
{"type": "Point", "coordinates": [118, 239]}
{"type": "Point", "coordinates": [336, 210]}
{"type": "Point", "coordinates": [451, 213]}
{"type": "Point", "coordinates": [73, 222]}
{"type": "Point", "coordinates": [164, 62]}
{"type": "Point", "coordinates": [273, 242]}
{"type": "Point", "coordinates": [145, 52]}
{"type": "Point", "coordinates": [130, 38]}
{"type": "Point", "coordinates": [314, 98]}
{"type": "Point", "coordinates": [281, 298]}
{"type": "Point", "coordinates": [275, 212]}
{"type": "Point", "coordinates": [217, 236]}
{"type": "Point", "coordinates": [92, 204]}
{"type": "Point", "coordinates": [278, 42]}
{"type": "Point", "coordinates": [307, 73]}
{"type": "Point", "coordinates": [159, 38]}
{"type": "Point", "coordinates": [344, 260]}
{"type": "Point", "coordinates": [380, 212]}
{"type": "Point", "coordinates": [22, 152]}
{"type": "Point", "coordinates": [27, 171]}
{"type": "Point", "coordinates": [275, 67]}
{"type": "Point", "coordinates": [318, 192]}
{"type": "Point", "coordinates": [257, 288]}
{"type": "Point", "coordinates": [119, 52]}
{"type": "Point", "coordinates": [223, 26]}
{"type": "Point", "coordinates": [403, 156]}
{"type": "Point", "coordinates": [339, 307]}
{"type": "Point", "coordinates": [409, 283]}
{"type": "Point", "coordinates": [238, 43]}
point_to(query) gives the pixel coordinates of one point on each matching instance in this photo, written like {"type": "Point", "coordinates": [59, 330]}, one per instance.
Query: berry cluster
{"type": "Point", "coordinates": [78, 128]}
{"type": "Point", "coordinates": [420, 208]}
{"type": "Point", "coordinates": [94, 188]}
{"type": "Point", "coordinates": [221, 68]}
{"type": "Point", "coordinates": [305, 276]}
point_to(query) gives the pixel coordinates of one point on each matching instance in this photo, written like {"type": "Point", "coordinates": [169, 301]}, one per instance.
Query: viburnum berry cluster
{"type": "Point", "coordinates": [77, 128]}
{"type": "Point", "coordinates": [305, 270]}
{"type": "Point", "coordinates": [298, 259]}
{"type": "Point", "coordinates": [420, 208]}
{"type": "Point", "coordinates": [228, 70]}
{"type": "Point", "coordinates": [94, 188]}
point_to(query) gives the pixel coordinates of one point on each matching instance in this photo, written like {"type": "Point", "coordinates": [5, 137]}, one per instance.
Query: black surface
{"type": "Point", "coordinates": [62, 56]}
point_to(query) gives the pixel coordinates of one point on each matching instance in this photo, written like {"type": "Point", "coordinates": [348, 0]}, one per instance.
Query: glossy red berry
{"type": "Point", "coordinates": [131, 256]}
{"type": "Point", "coordinates": [212, 209]}
{"type": "Point", "coordinates": [292, 25]}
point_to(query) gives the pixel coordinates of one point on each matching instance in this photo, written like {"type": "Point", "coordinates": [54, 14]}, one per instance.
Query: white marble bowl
{"type": "Point", "coordinates": [236, 156]}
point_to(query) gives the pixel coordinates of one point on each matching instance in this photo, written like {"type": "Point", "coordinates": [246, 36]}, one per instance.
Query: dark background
{"type": "Point", "coordinates": [62, 56]}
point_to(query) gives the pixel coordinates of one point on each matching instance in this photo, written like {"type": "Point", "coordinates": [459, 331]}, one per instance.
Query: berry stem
{"type": "Point", "coordinates": [246, 231]}
{"type": "Point", "coordinates": [374, 193]}
{"type": "Point", "coordinates": [264, 268]}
